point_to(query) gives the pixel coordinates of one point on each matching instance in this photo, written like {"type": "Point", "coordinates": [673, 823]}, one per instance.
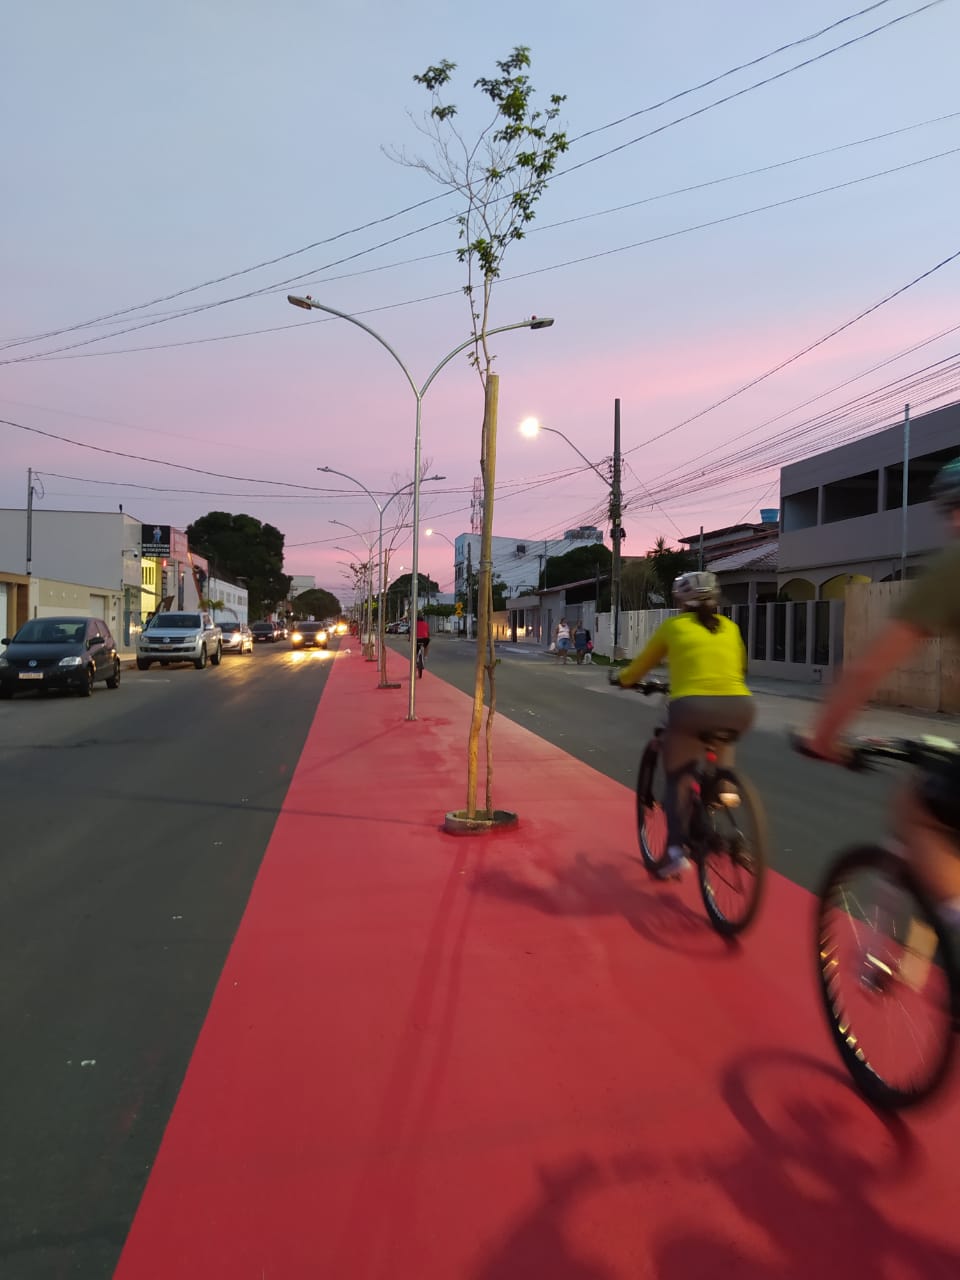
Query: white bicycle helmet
{"type": "Point", "coordinates": [692, 589]}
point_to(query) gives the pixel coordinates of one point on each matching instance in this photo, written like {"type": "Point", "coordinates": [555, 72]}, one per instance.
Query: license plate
{"type": "Point", "coordinates": [31, 675]}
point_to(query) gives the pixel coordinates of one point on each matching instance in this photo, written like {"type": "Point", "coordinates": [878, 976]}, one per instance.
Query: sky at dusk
{"type": "Point", "coordinates": [153, 149]}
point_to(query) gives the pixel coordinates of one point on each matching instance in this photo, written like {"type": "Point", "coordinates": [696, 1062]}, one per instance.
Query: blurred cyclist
{"type": "Point", "coordinates": [927, 812]}
{"type": "Point", "coordinates": [423, 635]}
{"type": "Point", "coordinates": [708, 692]}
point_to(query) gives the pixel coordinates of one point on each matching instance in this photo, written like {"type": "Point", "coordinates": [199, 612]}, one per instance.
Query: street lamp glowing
{"type": "Point", "coordinates": [530, 427]}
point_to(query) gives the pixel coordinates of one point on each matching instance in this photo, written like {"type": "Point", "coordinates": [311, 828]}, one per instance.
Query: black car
{"type": "Point", "coordinates": [265, 631]}
{"type": "Point", "coordinates": [59, 653]}
{"type": "Point", "coordinates": [305, 634]}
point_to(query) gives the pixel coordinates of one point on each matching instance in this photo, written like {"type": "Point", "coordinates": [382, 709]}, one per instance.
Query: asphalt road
{"type": "Point", "coordinates": [132, 825]}
{"type": "Point", "coordinates": [812, 809]}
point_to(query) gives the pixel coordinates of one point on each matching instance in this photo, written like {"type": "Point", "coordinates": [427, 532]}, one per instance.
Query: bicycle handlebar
{"type": "Point", "coordinates": [862, 752]}
{"type": "Point", "coordinates": [646, 687]}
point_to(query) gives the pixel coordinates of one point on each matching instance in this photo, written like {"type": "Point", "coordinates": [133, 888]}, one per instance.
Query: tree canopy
{"type": "Point", "coordinates": [241, 548]}
{"type": "Point", "coordinates": [573, 566]}
{"type": "Point", "coordinates": [316, 603]}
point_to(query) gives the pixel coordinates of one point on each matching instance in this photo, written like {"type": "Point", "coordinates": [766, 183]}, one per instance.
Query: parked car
{"type": "Point", "coordinates": [309, 634]}
{"type": "Point", "coordinates": [237, 637]}
{"type": "Point", "coordinates": [180, 637]}
{"type": "Point", "coordinates": [399, 628]}
{"type": "Point", "coordinates": [263, 631]}
{"type": "Point", "coordinates": [59, 653]}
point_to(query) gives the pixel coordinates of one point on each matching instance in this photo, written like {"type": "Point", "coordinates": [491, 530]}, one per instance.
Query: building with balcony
{"type": "Point", "coordinates": [842, 515]}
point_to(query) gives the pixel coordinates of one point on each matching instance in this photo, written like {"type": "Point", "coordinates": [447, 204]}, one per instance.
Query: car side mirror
{"type": "Point", "coordinates": [94, 641]}
{"type": "Point", "coordinates": [5, 640]}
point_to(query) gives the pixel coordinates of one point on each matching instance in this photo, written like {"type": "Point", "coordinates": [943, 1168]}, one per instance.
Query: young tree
{"type": "Point", "coordinates": [499, 176]}
{"type": "Point", "coordinates": [668, 563]}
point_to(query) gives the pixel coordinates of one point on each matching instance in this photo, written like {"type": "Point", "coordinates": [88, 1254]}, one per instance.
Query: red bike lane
{"type": "Point", "coordinates": [516, 1056]}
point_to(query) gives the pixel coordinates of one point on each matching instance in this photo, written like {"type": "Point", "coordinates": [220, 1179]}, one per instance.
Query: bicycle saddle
{"type": "Point", "coordinates": [711, 736]}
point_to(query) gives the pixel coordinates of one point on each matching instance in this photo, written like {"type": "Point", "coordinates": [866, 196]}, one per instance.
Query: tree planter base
{"type": "Point", "coordinates": [457, 823]}
{"type": "Point", "coordinates": [389, 685]}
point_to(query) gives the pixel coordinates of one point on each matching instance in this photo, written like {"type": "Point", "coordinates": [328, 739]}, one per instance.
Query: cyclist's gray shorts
{"type": "Point", "coordinates": [693, 716]}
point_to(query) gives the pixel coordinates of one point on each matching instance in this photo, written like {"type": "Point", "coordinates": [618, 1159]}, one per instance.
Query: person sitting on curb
{"type": "Point", "coordinates": [708, 692]}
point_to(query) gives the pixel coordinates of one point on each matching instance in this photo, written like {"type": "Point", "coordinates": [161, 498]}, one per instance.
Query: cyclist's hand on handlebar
{"type": "Point", "coordinates": [821, 747]}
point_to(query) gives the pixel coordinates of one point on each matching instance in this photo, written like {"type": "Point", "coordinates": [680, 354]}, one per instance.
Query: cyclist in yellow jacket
{"type": "Point", "coordinates": [708, 691]}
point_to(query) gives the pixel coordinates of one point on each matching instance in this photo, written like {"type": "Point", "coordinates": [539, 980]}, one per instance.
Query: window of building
{"type": "Point", "coordinates": [852, 497]}
{"type": "Point", "coordinates": [800, 510]}
{"type": "Point", "coordinates": [922, 472]}
{"type": "Point", "coordinates": [148, 574]}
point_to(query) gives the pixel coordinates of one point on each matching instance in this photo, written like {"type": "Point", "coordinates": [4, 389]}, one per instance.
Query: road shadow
{"type": "Point", "coordinates": [582, 887]}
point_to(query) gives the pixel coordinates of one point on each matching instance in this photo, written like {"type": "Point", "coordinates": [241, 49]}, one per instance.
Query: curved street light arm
{"type": "Point", "coordinates": [309, 304]}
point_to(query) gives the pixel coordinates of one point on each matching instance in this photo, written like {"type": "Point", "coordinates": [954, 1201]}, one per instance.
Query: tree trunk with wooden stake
{"type": "Point", "coordinates": [485, 661]}
{"type": "Point", "coordinates": [498, 178]}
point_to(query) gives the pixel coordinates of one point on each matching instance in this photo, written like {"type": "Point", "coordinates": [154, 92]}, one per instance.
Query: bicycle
{"type": "Point", "coordinates": [421, 657]}
{"type": "Point", "coordinates": [727, 827]}
{"type": "Point", "coordinates": [887, 964]}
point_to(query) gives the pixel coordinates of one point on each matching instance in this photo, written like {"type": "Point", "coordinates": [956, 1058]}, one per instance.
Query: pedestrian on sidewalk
{"type": "Point", "coordinates": [581, 639]}
{"type": "Point", "coordinates": [562, 640]}
{"type": "Point", "coordinates": [708, 692]}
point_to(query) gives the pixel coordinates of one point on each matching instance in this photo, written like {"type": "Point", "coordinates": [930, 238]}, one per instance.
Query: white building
{"type": "Point", "coordinates": [103, 564]}
{"type": "Point", "coordinates": [301, 582]}
{"type": "Point", "coordinates": [517, 561]}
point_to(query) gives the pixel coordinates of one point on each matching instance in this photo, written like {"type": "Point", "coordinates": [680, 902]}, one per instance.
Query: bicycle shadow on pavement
{"type": "Point", "coordinates": [582, 887]}
{"type": "Point", "coordinates": [814, 1187]}
{"type": "Point", "coordinates": [810, 1183]}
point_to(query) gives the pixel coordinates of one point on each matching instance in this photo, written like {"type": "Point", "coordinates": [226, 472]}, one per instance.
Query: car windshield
{"type": "Point", "coordinates": [51, 631]}
{"type": "Point", "coordinates": [229, 626]}
{"type": "Point", "coordinates": [176, 621]}
{"type": "Point", "coordinates": [263, 626]}
{"type": "Point", "coordinates": [309, 626]}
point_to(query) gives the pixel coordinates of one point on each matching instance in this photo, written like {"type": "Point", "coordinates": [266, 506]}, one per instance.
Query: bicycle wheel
{"type": "Point", "coordinates": [732, 858]}
{"type": "Point", "coordinates": [888, 977]}
{"type": "Point", "coordinates": [419, 662]}
{"type": "Point", "coordinates": [651, 815]}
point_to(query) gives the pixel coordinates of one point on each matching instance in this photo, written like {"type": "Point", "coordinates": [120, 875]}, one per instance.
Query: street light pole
{"type": "Point", "coordinates": [382, 575]}
{"type": "Point", "coordinates": [531, 427]}
{"type": "Point", "coordinates": [535, 322]}
{"type": "Point", "coordinates": [371, 656]}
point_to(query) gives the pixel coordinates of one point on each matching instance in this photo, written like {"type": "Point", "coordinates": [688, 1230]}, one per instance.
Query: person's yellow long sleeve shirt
{"type": "Point", "coordinates": [703, 664]}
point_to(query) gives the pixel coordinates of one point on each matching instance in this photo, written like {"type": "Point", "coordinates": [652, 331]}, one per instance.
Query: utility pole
{"type": "Point", "coordinates": [29, 519]}
{"type": "Point", "coordinates": [616, 533]}
{"type": "Point", "coordinates": [469, 588]}
{"type": "Point", "coordinates": [906, 492]}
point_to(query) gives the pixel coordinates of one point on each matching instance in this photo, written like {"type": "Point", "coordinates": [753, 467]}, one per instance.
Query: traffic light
{"type": "Point", "coordinates": [459, 609]}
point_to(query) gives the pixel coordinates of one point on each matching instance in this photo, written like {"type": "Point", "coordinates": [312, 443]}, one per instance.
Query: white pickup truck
{"type": "Point", "coordinates": [180, 637]}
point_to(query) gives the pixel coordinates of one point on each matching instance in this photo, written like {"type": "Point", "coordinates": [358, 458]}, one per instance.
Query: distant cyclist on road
{"type": "Point", "coordinates": [423, 635]}
{"type": "Point", "coordinates": [708, 691]}
{"type": "Point", "coordinates": [927, 816]}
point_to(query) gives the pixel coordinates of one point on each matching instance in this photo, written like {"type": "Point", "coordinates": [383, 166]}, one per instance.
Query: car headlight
{"type": "Point", "coordinates": [70, 662]}
{"type": "Point", "coordinates": [3, 662]}
{"type": "Point", "coordinates": [321, 635]}
{"type": "Point", "coordinates": [296, 636]}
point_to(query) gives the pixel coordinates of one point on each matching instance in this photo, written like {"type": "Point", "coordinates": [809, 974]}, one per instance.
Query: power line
{"type": "Point", "coordinates": [799, 354]}
{"type": "Point", "coordinates": [110, 316]}
{"type": "Point", "coordinates": [758, 84]}
{"type": "Point", "coordinates": [724, 75]}
{"type": "Point", "coordinates": [57, 353]}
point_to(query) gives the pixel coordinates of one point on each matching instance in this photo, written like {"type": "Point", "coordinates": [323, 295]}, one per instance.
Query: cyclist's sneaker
{"type": "Point", "coordinates": [675, 865]}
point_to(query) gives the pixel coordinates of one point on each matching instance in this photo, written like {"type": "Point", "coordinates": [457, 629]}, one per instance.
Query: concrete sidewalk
{"type": "Point", "coordinates": [514, 1057]}
{"type": "Point", "coordinates": [877, 719]}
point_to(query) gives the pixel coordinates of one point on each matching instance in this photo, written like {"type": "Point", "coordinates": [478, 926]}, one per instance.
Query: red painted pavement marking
{"type": "Point", "coordinates": [516, 1058]}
